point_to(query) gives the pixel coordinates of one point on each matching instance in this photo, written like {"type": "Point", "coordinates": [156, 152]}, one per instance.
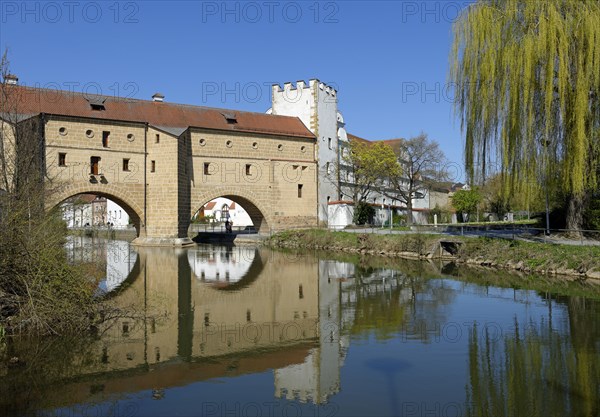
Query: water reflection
{"type": "Point", "coordinates": [111, 261]}
{"type": "Point", "coordinates": [224, 266]}
{"type": "Point", "coordinates": [213, 327]}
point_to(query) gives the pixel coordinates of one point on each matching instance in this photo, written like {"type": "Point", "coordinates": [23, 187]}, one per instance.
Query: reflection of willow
{"type": "Point", "coordinates": [534, 372]}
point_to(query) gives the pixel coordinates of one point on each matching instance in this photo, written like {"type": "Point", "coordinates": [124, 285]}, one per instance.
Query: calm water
{"type": "Point", "coordinates": [240, 331]}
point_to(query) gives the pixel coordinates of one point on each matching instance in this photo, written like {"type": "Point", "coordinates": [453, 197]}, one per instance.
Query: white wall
{"type": "Point", "coordinates": [116, 215]}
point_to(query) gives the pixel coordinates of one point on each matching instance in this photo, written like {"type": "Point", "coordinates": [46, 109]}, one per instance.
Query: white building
{"type": "Point", "coordinates": [89, 210]}
{"type": "Point", "coordinates": [222, 209]}
{"type": "Point", "coordinates": [115, 215]}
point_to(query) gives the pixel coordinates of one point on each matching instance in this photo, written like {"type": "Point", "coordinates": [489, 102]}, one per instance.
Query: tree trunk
{"type": "Point", "coordinates": [575, 211]}
{"type": "Point", "coordinates": [409, 219]}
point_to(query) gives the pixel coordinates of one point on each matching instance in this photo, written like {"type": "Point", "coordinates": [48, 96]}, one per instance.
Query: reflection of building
{"type": "Point", "coordinates": [115, 258]}
{"type": "Point", "coordinates": [92, 210]}
{"type": "Point", "coordinates": [291, 314]}
{"type": "Point", "coordinates": [221, 264]}
{"type": "Point", "coordinates": [221, 209]}
{"type": "Point", "coordinates": [318, 377]}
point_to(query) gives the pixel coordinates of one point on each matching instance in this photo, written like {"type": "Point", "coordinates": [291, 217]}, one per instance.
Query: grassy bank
{"type": "Point", "coordinates": [578, 261]}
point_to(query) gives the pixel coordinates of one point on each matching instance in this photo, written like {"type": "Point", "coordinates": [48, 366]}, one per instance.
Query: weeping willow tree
{"type": "Point", "coordinates": [527, 79]}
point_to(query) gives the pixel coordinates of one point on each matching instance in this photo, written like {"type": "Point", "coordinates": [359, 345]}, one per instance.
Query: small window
{"type": "Point", "coordinates": [89, 133]}
{"type": "Point", "coordinates": [62, 131]}
{"type": "Point", "coordinates": [280, 147]}
{"type": "Point", "coordinates": [153, 166]}
{"type": "Point", "coordinates": [231, 118]}
{"type": "Point", "coordinates": [328, 168]}
{"type": "Point", "coordinates": [207, 168]}
{"type": "Point", "coordinates": [105, 136]}
{"type": "Point", "coordinates": [255, 145]}
{"type": "Point", "coordinates": [98, 107]}
{"type": "Point", "coordinates": [126, 164]}
{"type": "Point", "coordinates": [62, 159]}
{"type": "Point", "coordinates": [130, 137]}
{"type": "Point", "coordinates": [157, 138]}
{"type": "Point", "coordinates": [300, 190]}
{"type": "Point", "coordinates": [303, 149]}
{"type": "Point", "coordinates": [300, 292]}
{"type": "Point", "coordinates": [229, 144]}
{"type": "Point", "coordinates": [95, 165]}
{"type": "Point", "coordinates": [248, 173]}
{"type": "Point", "coordinates": [202, 142]}
{"type": "Point", "coordinates": [329, 142]}
{"type": "Point", "coordinates": [328, 199]}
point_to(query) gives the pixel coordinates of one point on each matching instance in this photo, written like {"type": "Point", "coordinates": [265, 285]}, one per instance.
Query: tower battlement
{"type": "Point", "coordinates": [312, 85]}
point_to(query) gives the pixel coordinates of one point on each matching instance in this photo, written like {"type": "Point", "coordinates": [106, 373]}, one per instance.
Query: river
{"type": "Point", "coordinates": [245, 331]}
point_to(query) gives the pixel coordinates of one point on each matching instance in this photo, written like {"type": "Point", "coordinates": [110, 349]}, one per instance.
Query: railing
{"type": "Point", "coordinates": [220, 228]}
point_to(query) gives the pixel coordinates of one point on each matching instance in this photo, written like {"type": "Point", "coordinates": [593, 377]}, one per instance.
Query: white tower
{"type": "Point", "coordinates": [316, 105]}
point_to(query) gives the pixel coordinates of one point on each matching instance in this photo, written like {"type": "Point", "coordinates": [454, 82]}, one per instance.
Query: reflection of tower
{"type": "Point", "coordinates": [318, 377]}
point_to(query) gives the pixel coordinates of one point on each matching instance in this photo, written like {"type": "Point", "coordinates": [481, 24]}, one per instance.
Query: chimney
{"type": "Point", "coordinates": [158, 97]}
{"type": "Point", "coordinates": [11, 79]}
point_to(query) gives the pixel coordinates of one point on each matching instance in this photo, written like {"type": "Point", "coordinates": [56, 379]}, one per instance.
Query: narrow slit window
{"type": "Point", "coordinates": [62, 159]}
{"type": "Point", "coordinates": [125, 164]}
{"type": "Point", "coordinates": [300, 190]}
{"type": "Point", "coordinates": [157, 138]}
{"type": "Point", "coordinates": [95, 165]}
{"type": "Point", "coordinates": [329, 142]}
{"type": "Point", "coordinates": [207, 168]}
{"type": "Point", "coordinates": [105, 136]}
{"type": "Point", "coordinates": [248, 170]}
{"type": "Point", "coordinates": [153, 166]}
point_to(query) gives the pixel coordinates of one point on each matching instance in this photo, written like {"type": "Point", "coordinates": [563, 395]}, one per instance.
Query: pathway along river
{"type": "Point", "coordinates": [242, 331]}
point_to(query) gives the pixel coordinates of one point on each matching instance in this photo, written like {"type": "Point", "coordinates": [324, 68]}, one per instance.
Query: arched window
{"type": "Point", "coordinates": [225, 212]}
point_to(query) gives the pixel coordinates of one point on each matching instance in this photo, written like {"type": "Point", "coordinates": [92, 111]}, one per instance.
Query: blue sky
{"type": "Point", "coordinates": [388, 60]}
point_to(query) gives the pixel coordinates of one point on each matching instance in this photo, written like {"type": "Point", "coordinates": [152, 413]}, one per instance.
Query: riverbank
{"type": "Point", "coordinates": [529, 257]}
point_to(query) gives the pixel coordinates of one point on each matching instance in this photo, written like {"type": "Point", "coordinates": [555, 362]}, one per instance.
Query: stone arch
{"type": "Point", "coordinates": [256, 209]}
{"type": "Point", "coordinates": [121, 197]}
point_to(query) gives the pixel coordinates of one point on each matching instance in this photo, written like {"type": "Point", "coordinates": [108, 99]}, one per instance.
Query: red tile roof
{"type": "Point", "coordinates": [58, 102]}
{"type": "Point", "coordinates": [390, 142]}
{"type": "Point", "coordinates": [210, 205]}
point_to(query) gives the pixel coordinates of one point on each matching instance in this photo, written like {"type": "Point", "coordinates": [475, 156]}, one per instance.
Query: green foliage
{"type": "Point", "coordinates": [527, 79]}
{"type": "Point", "coordinates": [363, 213]}
{"type": "Point", "coordinates": [592, 215]}
{"type": "Point", "coordinates": [369, 162]}
{"type": "Point", "coordinates": [443, 215]}
{"type": "Point", "coordinates": [466, 201]}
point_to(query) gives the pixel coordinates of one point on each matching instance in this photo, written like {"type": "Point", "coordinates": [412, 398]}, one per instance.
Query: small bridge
{"type": "Point", "coordinates": [162, 162]}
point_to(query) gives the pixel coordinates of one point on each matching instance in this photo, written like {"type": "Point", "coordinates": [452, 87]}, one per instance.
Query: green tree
{"type": "Point", "coordinates": [527, 79]}
{"type": "Point", "coordinates": [466, 201]}
{"type": "Point", "coordinates": [363, 213]}
{"type": "Point", "coordinates": [366, 163]}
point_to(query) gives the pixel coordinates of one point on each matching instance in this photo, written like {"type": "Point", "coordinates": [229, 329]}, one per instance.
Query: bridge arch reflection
{"type": "Point", "coordinates": [226, 267]}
